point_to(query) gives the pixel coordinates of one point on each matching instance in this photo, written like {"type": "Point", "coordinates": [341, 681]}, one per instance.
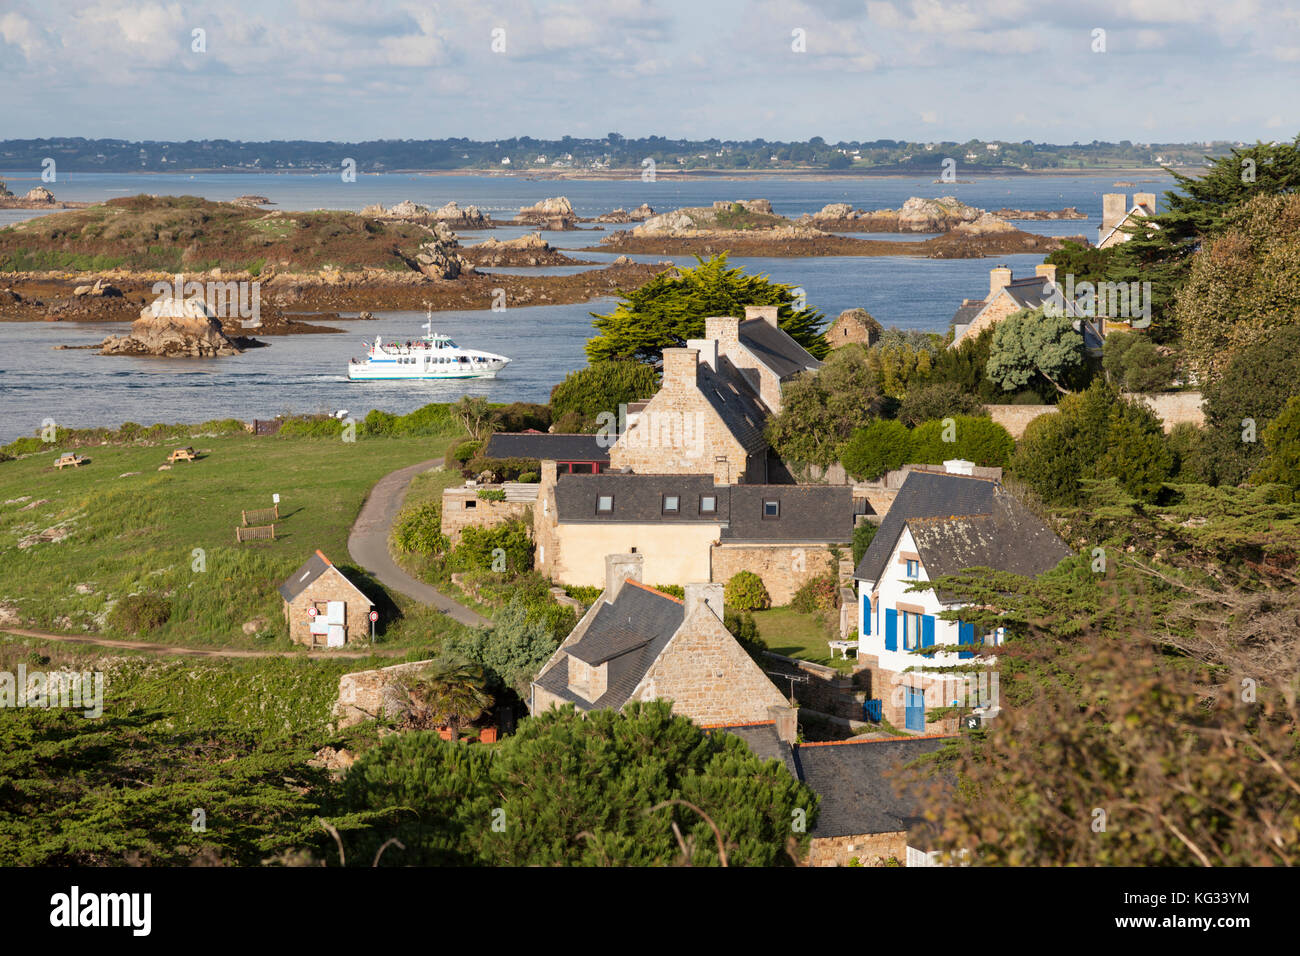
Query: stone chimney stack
{"type": "Point", "coordinates": [1113, 208]}
{"type": "Point", "coordinates": [680, 367]}
{"type": "Point", "coordinates": [1145, 199]}
{"type": "Point", "coordinates": [1046, 271]}
{"type": "Point", "coordinates": [708, 349]}
{"type": "Point", "coordinates": [999, 278]}
{"type": "Point", "coordinates": [765, 312]}
{"type": "Point", "coordinates": [549, 475]}
{"type": "Point", "coordinates": [706, 595]}
{"type": "Point", "coordinates": [620, 568]}
{"type": "Point", "coordinates": [723, 329]}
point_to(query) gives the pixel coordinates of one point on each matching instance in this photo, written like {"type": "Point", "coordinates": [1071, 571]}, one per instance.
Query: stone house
{"type": "Point", "coordinates": [865, 813]}
{"type": "Point", "coordinates": [853, 326]}
{"type": "Point", "coordinates": [1008, 295]}
{"type": "Point", "coordinates": [464, 506]}
{"type": "Point", "coordinates": [639, 644]}
{"type": "Point", "coordinates": [342, 611]}
{"type": "Point", "coordinates": [575, 454]}
{"type": "Point", "coordinates": [714, 399]}
{"type": "Point", "coordinates": [938, 524]}
{"type": "Point", "coordinates": [689, 528]}
{"type": "Point", "coordinates": [1115, 213]}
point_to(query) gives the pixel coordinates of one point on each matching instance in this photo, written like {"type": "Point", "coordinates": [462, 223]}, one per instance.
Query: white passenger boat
{"type": "Point", "coordinates": [432, 356]}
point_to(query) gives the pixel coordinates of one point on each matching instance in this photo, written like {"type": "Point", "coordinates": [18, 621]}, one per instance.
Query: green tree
{"type": "Point", "coordinates": [671, 308]}
{"type": "Point", "coordinates": [863, 534]}
{"type": "Point", "coordinates": [820, 411]}
{"type": "Point", "coordinates": [875, 449]}
{"type": "Point", "coordinates": [447, 693]}
{"type": "Point", "coordinates": [505, 547]}
{"type": "Point", "coordinates": [1282, 443]}
{"type": "Point", "coordinates": [938, 400]}
{"type": "Point", "coordinates": [1031, 343]}
{"type": "Point", "coordinates": [974, 438]}
{"type": "Point", "coordinates": [514, 649]}
{"type": "Point", "coordinates": [578, 402]}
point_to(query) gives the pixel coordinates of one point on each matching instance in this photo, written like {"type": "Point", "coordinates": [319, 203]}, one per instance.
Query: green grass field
{"type": "Point", "coordinates": [796, 634]}
{"type": "Point", "coordinates": [130, 528]}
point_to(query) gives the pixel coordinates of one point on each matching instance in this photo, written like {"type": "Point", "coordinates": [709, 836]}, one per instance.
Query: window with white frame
{"type": "Point", "coordinates": [910, 624]}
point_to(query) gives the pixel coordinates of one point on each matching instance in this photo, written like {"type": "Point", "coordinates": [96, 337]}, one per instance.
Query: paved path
{"type": "Point", "coordinates": [178, 650]}
{"type": "Point", "coordinates": [368, 544]}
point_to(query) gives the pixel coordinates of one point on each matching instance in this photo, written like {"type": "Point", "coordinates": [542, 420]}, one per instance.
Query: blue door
{"type": "Point", "coordinates": [914, 708]}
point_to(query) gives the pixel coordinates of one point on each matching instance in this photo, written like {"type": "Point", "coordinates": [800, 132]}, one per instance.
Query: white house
{"type": "Point", "coordinates": [939, 524]}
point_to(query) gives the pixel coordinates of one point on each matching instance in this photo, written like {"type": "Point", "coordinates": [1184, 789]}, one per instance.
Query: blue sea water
{"type": "Point", "coordinates": [306, 373]}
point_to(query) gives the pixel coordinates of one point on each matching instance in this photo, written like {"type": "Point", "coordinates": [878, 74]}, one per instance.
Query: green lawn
{"type": "Point", "coordinates": [132, 528]}
{"type": "Point", "coordinates": [800, 635]}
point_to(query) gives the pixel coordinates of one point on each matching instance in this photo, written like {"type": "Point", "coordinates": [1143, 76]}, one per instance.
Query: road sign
{"type": "Point", "coordinates": [374, 616]}
{"type": "Point", "coordinates": [311, 612]}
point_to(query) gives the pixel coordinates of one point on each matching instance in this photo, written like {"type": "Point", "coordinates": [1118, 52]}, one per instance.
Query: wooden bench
{"type": "Point", "coordinates": [70, 458]}
{"type": "Point", "coordinates": [257, 533]}
{"type": "Point", "coordinates": [182, 454]}
{"type": "Point", "coordinates": [260, 516]}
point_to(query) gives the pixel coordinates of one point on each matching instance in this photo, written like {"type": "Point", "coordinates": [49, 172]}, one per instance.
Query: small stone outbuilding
{"type": "Point", "coordinates": [342, 611]}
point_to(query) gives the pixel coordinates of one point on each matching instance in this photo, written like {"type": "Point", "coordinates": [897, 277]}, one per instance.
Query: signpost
{"type": "Point", "coordinates": [374, 616]}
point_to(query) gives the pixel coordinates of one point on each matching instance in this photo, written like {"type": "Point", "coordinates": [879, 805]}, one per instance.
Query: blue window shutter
{"type": "Point", "coordinates": [965, 635]}
{"type": "Point", "coordinates": [891, 629]}
{"type": "Point", "coordinates": [866, 616]}
{"type": "Point", "coordinates": [927, 630]}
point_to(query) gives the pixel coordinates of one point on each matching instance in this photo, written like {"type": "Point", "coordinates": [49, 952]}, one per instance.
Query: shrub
{"type": "Point", "coordinates": [139, 613]}
{"type": "Point", "coordinates": [746, 592]}
{"type": "Point", "coordinates": [818, 594]}
{"type": "Point", "coordinates": [515, 648]}
{"type": "Point", "coordinates": [939, 400]}
{"type": "Point", "coordinates": [490, 494]}
{"type": "Point", "coordinates": [502, 469]}
{"type": "Point", "coordinates": [529, 477]}
{"type": "Point", "coordinates": [674, 590]}
{"type": "Point", "coordinates": [521, 416]}
{"type": "Point", "coordinates": [463, 451]}
{"type": "Point", "coordinates": [744, 629]}
{"type": "Point", "coordinates": [1134, 363]}
{"type": "Point", "coordinates": [974, 438]}
{"type": "Point", "coordinates": [601, 387]}
{"type": "Point", "coordinates": [875, 449]}
{"type": "Point", "coordinates": [1282, 441]}
{"type": "Point", "coordinates": [862, 536]}
{"type": "Point", "coordinates": [585, 593]}
{"type": "Point", "coordinates": [1184, 442]}
{"type": "Point", "coordinates": [418, 529]}
{"type": "Point", "coordinates": [480, 548]}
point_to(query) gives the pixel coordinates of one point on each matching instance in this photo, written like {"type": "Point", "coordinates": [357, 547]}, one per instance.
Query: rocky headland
{"type": "Point", "coordinates": [452, 214]}
{"type": "Point", "coordinates": [175, 328]}
{"type": "Point", "coordinates": [529, 250]}
{"type": "Point", "coordinates": [555, 213]}
{"type": "Point", "coordinates": [38, 197]}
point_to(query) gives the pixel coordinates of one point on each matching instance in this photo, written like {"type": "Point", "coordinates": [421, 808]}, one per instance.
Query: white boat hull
{"type": "Point", "coordinates": [433, 358]}
{"type": "Point", "coordinates": [377, 372]}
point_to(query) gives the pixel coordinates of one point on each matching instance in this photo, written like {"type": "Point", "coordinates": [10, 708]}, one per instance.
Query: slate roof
{"type": "Point", "coordinates": [805, 513]}
{"type": "Point", "coordinates": [857, 795]}
{"type": "Point", "coordinates": [637, 498]}
{"type": "Point", "coordinates": [775, 348]}
{"type": "Point", "coordinates": [764, 742]}
{"type": "Point", "coordinates": [923, 495]}
{"type": "Point", "coordinates": [626, 637]}
{"type": "Point", "coordinates": [311, 569]}
{"type": "Point", "coordinates": [960, 522]}
{"type": "Point", "coordinates": [737, 405]}
{"type": "Point", "coordinates": [822, 513]}
{"type": "Point", "coordinates": [542, 445]}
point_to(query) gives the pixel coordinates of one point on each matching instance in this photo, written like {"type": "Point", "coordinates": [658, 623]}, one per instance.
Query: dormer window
{"type": "Point", "coordinates": [771, 509]}
{"type": "Point", "coordinates": [672, 504]}
{"type": "Point", "coordinates": [604, 504]}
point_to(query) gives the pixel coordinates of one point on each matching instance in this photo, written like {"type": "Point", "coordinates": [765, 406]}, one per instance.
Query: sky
{"type": "Point", "coordinates": [1056, 71]}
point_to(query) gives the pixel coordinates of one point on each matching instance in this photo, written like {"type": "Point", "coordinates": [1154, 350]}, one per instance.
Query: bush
{"type": "Point", "coordinates": [862, 537]}
{"type": "Point", "coordinates": [819, 594]}
{"type": "Point", "coordinates": [502, 469]}
{"type": "Point", "coordinates": [585, 593]}
{"type": "Point", "coordinates": [974, 438]}
{"type": "Point", "coordinates": [601, 387]}
{"type": "Point", "coordinates": [746, 592]}
{"type": "Point", "coordinates": [139, 613]}
{"type": "Point", "coordinates": [490, 494]}
{"type": "Point", "coordinates": [521, 416]}
{"type": "Point", "coordinates": [744, 629]}
{"type": "Point", "coordinates": [875, 449]}
{"type": "Point", "coordinates": [462, 451]}
{"type": "Point", "coordinates": [1184, 443]}
{"type": "Point", "coordinates": [480, 549]}
{"type": "Point", "coordinates": [1282, 441]}
{"type": "Point", "coordinates": [529, 477]}
{"type": "Point", "coordinates": [1134, 363]}
{"type": "Point", "coordinates": [673, 590]}
{"type": "Point", "coordinates": [522, 640]}
{"type": "Point", "coordinates": [939, 400]}
{"type": "Point", "coordinates": [418, 529]}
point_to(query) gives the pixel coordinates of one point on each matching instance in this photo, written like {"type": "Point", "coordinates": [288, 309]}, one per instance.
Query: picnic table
{"type": "Point", "coordinates": [181, 454]}
{"type": "Point", "coordinates": [843, 647]}
{"type": "Point", "coordinates": [70, 458]}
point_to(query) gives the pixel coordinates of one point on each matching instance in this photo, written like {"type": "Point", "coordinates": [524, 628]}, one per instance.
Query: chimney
{"type": "Point", "coordinates": [721, 470]}
{"type": "Point", "coordinates": [704, 595]}
{"type": "Point", "coordinates": [787, 722]}
{"type": "Point", "coordinates": [708, 349]}
{"type": "Point", "coordinates": [620, 568]}
{"type": "Point", "coordinates": [1046, 271]}
{"type": "Point", "coordinates": [765, 312]}
{"type": "Point", "coordinates": [723, 329]}
{"type": "Point", "coordinates": [549, 475]}
{"type": "Point", "coordinates": [999, 278]}
{"type": "Point", "coordinates": [1145, 199]}
{"type": "Point", "coordinates": [959, 466]}
{"type": "Point", "coordinates": [1113, 208]}
{"type": "Point", "coordinates": [679, 367]}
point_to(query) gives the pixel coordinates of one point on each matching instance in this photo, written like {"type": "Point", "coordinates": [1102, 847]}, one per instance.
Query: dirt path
{"type": "Point", "coordinates": [177, 650]}
{"type": "Point", "coordinates": [368, 544]}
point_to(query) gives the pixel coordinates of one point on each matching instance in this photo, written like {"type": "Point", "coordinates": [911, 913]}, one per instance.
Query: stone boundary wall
{"type": "Point", "coordinates": [784, 568]}
{"type": "Point", "coordinates": [484, 514]}
{"type": "Point", "coordinates": [1172, 408]}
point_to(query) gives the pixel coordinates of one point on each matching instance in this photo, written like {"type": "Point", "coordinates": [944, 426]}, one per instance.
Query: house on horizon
{"type": "Point", "coordinates": [938, 524]}
{"type": "Point", "coordinates": [639, 644]}
{"type": "Point", "coordinates": [322, 607]}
